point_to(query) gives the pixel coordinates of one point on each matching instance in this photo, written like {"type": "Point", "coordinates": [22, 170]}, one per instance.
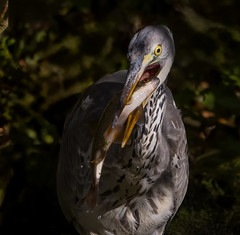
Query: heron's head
{"type": "Point", "coordinates": [151, 53]}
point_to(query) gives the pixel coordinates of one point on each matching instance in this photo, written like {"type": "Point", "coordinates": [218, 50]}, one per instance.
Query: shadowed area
{"type": "Point", "coordinates": [52, 51]}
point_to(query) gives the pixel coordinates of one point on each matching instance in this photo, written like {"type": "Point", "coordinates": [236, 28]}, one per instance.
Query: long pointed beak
{"type": "Point", "coordinates": [144, 70]}
{"type": "Point", "coordinates": [135, 72]}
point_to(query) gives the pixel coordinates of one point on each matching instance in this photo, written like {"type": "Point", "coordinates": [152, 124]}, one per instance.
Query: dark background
{"type": "Point", "coordinates": [54, 49]}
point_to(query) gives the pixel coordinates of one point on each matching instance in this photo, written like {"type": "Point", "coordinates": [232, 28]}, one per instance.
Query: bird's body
{"type": "Point", "coordinates": [141, 185]}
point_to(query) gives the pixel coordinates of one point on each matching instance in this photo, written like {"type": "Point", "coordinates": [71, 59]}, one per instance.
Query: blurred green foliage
{"type": "Point", "coordinates": [52, 50]}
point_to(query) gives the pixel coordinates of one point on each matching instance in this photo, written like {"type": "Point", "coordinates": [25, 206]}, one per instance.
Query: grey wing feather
{"type": "Point", "coordinates": [174, 129]}
{"type": "Point", "coordinates": [74, 174]}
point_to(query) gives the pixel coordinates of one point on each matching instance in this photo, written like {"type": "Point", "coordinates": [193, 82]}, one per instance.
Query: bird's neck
{"type": "Point", "coordinates": [148, 133]}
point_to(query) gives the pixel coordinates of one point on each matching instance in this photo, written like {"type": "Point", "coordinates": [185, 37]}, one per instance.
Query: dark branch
{"type": "Point", "coordinates": [3, 20]}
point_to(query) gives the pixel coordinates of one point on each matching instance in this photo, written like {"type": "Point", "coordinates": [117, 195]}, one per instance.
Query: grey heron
{"type": "Point", "coordinates": [143, 181]}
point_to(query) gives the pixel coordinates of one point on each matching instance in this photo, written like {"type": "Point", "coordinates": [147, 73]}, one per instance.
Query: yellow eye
{"type": "Point", "coordinates": [158, 50]}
